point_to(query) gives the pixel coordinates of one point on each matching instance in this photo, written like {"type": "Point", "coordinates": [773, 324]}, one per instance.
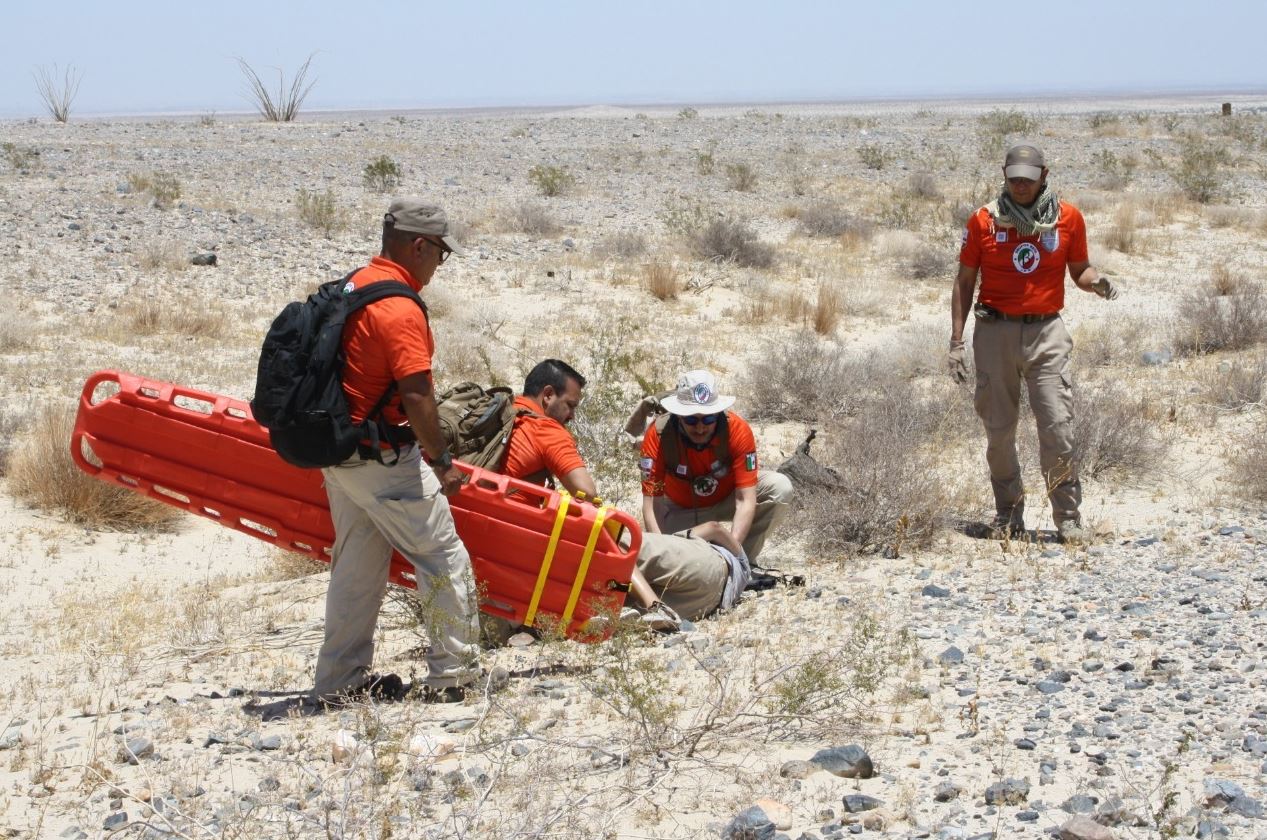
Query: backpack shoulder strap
{"type": "Point", "coordinates": [670, 444]}
{"type": "Point", "coordinates": [721, 440]}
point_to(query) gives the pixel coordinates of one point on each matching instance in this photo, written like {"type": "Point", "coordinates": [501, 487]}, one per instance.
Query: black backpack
{"type": "Point", "coordinates": [299, 385]}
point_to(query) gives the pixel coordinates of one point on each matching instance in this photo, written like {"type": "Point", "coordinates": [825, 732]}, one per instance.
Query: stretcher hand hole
{"type": "Point", "coordinates": [104, 391]}
{"type": "Point", "coordinates": [171, 494]}
{"type": "Point", "coordinates": [192, 404]}
{"type": "Point", "coordinates": [255, 526]}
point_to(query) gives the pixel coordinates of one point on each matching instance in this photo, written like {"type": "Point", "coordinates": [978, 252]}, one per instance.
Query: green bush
{"type": "Point", "coordinates": [874, 156]}
{"type": "Point", "coordinates": [318, 211]}
{"type": "Point", "coordinates": [551, 180]}
{"type": "Point", "coordinates": [1200, 172]}
{"type": "Point", "coordinates": [21, 159]}
{"type": "Point", "coordinates": [381, 174]}
{"type": "Point", "coordinates": [741, 177]}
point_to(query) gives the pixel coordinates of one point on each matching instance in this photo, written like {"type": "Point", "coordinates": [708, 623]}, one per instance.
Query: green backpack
{"type": "Point", "coordinates": [476, 423]}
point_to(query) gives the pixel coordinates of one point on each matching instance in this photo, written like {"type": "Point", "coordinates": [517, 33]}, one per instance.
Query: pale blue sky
{"type": "Point", "coordinates": [145, 56]}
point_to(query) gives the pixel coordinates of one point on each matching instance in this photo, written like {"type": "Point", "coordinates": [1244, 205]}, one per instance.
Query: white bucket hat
{"type": "Point", "coordinates": [696, 393]}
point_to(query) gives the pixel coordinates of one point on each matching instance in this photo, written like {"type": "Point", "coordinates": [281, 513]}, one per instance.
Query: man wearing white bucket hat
{"type": "Point", "coordinates": [699, 464]}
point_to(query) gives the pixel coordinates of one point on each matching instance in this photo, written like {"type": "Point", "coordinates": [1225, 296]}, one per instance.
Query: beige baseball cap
{"type": "Point", "coordinates": [413, 215]}
{"type": "Point", "coordinates": [1024, 162]}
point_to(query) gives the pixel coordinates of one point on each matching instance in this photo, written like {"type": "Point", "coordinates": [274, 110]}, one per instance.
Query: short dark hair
{"type": "Point", "coordinates": [552, 372]}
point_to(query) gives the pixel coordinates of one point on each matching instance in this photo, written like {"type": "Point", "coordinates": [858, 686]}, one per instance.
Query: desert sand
{"type": "Point", "coordinates": [999, 689]}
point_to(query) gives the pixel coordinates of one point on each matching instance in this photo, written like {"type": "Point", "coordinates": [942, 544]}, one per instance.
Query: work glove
{"type": "Point", "coordinates": [955, 364]}
{"type": "Point", "coordinates": [1104, 288]}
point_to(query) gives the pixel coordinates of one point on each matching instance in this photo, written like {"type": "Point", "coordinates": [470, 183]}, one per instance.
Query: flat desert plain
{"type": "Point", "coordinates": [803, 253]}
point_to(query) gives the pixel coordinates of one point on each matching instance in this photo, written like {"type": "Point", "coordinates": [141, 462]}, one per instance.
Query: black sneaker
{"type": "Point", "coordinates": [380, 688]}
{"type": "Point", "coordinates": [448, 694]}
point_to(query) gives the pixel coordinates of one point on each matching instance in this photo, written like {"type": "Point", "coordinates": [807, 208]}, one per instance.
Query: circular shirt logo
{"type": "Point", "coordinates": [1026, 257]}
{"type": "Point", "coordinates": [705, 485]}
{"type": "Point", "coordinates": [702, 393]}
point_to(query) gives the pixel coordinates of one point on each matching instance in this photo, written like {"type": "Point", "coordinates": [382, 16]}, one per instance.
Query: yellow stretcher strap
{"type": "Point", "coordinates": [544, 574]}
{"type": "Point", "coordinates": [584, 567]}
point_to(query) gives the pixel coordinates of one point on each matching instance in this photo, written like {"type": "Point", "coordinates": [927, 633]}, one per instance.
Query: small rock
{"type": "Point", "coordinates": [1080, 827]}
{"type": "Point", "coordinates": [752, 824]}
{"type": "Point", "coordinates": [778, 813]}
{"type": "Point", "coordinates": [343, 750]}
{"type": "Point", "coordinates": [11, 738]}
{"type": "Point", "coordinates": [519, 749]}
{"type": "Point", "coordinates": [1079, 804]}
{"type": "Point", "coordinates": [1246, 807]}
{"type": "Point", "coordinates": [856, 803]}
{"type": "Point", "coordinates": [203, 259]}
{"type": "Point", "coordinates": [1024, 744]}
{"type": "Point", "coordinates": [269, 743]}
{"type": "Point", "coordinates": [848, 762]}
{"type": "Point", "coordinates": [1008, 792]}
{"type": "Point", "coordinates": [115, 821]}
{"type": "Point", "coordinates": [796, 770]}
{"type": "Point", "coordinates": [521, 640]}
{"type": "Point", "coordinates": [424, 745]}
{"type": "Point", "coordinates": [946, 791]}
{"type": "Point", "coordinates": [1156, 358]}
{"type": "Point", "coordinates": [459, 725]}
{"type": "Point", "coordinates": [1221, 791]}
{"type": "Point", "coordinates": [268, 784]}
{"type": "Point", "coordinates": [135, 749]}
{"type": "Point", "coordinates": [934, 591]}
{"type": "Point", "coordinates": [951, 656]}
{"type": "Point", "coordinates": [1049, 687]}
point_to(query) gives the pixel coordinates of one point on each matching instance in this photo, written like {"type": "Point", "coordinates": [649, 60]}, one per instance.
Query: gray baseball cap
{"type": "Point", "coordinates": [413, 215]}
{"type": "Point", "coordinates": [1024, 162]}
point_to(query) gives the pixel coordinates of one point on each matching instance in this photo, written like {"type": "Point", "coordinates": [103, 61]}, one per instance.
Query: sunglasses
{"type": "Point", "coordinates": [444, 249]}
{"type": "Point", "coordinates": [696, 419]}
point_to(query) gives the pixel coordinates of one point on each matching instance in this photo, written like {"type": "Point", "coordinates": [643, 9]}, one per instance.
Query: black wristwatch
{"type": "Point", "coordinates": [442, 461]}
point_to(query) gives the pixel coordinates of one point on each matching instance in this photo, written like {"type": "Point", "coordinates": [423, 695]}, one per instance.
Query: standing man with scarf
{"type": "Point", "coordinates": [1021, 245]}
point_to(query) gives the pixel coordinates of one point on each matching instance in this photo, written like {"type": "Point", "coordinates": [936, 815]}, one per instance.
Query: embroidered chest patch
{"type": "Point", "coordinates": [1026, 257]}
{"type": "Point", "coordinates": [1050, 240]}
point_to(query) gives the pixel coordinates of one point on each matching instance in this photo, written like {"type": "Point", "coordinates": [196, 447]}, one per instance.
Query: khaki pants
{"type": "Point", "coordinates": [1005, 352]}
{"type": "Point", "coordinates": [774, 491]}
{"type": "Point", "coordinates": [377, 508]}
{"type": "Point", "coordinates": [685, 572]}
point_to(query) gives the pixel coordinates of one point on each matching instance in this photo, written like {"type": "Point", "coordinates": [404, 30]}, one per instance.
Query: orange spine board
{"type": "Point", "coordinates": [205, 453]}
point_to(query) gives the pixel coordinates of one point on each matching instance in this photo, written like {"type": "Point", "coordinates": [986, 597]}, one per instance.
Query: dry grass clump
{"type": "Point", "coordinates": [1111, 171]}
{"type": "Point", "coordinates": [829, 307]}
{"type": "Point", "coordinates": [923, 185]}
{"type": "Point", "coordinates": [551, 181]}
{"type": "Point", "coordinates": [163, 255]}
{"type": "Point", "coordinates": [151, 316]}
{"type": "Point", "coordinates": [162, 187]}
{"type": "Point", "coordinates": [15, 335]}
{"type": "Point", "coordinates": [1237, 386]}
{"type": "Point", "coordinates": [626, 245]}
{"type": "Point", "coordinates": [661, 280]}
{"type": "Point", "coordinates": [741, 177]}
{"type": "Point", "coordinates": [832, 220]}
{"type": "Point", "coordinates": [290, 565]}
{"type": "Point", "coordinates": [42, 474]}
{"type": "Point", "coordinates": [1123, 232]}
{"type": "Point", "coordinates": [319, 211]}
{"type": "Point", "coordinates": [766, 305]}
{"type": "Point", "coordinates": [730, 240]}
{"type": "Point", "coordinates": [530, 217]}
{"type": "Point", "coordinates": [1117, 431]}
{"type": "Point", "coordinates": [1249, 468]}
{"type": "Point", "coordinates": [1202, 169]}
{"type": "Point", "coordinates": [1113, 343]}
{"type": "Point", "coordinates": [13, 423]}
{"type": "Point", "coordinates": [928, 261]}
{"type": "Point", "coordinates": [1227, 313]}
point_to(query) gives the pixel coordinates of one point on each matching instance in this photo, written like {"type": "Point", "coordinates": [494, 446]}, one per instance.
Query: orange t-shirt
{"type": "Point", "coordinates": [539, 444]}
{"type": "Point", "coordinates": [700, 481]}
{"type": "Point", "coordinates": [1023, 275]}
{"type": "Point", "coordinates": [383, 343]}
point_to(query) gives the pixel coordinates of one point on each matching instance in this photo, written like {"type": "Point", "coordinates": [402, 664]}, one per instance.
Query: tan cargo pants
{"type": "Point", "coordinates": [377, 508]}
{"type": "Point", "coordinates": [686, 573]}
{"type": "Point", "coordinates": [1005, 352]}
{"type": "Point", "coordinates": [774, 491]}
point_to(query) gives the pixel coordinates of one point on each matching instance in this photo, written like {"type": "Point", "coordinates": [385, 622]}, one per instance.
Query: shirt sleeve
{"type": "Point", "coordinates": [558, 448]}
{"type": "Point", "coordinates": [743, 453]}
{"type": "Point", "coordinates": [650, 464]}
{"type": "Point", "coordinates": [405, 335]}
{"type": "Point", "coordinates": [1077, 236]}
{"type": "Point", "coordinates": [970, 245]}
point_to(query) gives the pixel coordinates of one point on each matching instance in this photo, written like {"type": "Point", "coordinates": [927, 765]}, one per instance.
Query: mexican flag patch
{"type": "Point", "coordinates": [750, 462]}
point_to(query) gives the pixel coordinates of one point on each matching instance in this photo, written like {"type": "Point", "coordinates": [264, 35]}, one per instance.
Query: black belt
{"type": "Point", "coordinates": [989, 313]}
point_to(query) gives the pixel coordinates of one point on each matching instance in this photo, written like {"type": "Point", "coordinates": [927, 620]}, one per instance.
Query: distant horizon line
{"type": "Point", "coordinates": [876, 99]}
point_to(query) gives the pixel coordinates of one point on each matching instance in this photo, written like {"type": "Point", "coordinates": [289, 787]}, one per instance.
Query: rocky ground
{"type": "Point", "coordinates": [958, 688]}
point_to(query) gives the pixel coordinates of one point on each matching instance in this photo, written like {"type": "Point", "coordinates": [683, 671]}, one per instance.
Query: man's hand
{"type": "Point", "coordinates": [451, 478]}
{"type": "Point", "coordinates": [955, 364]}
{"type": "Point", "coordinates": [1104, 288]}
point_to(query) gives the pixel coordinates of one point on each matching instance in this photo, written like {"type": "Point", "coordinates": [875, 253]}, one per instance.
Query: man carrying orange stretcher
{"type": "Point", "coordinates": [694, 572]}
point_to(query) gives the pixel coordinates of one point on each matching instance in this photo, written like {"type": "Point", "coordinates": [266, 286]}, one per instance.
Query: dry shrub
{"type": "Point", "coordinates": [1249, 468]}
{"type": "Point", "coordinates": [12, 424]}
{"type": "Point", "coordinates": [823, 219]}
{"type": "Point", "coordinates": [661, 280]}
{"type": "Point", "coordinates": [1227, 313]}
{"type": "Point", "coordinates": [730, 240]}
{"type": "Point", "coordinates": [801, 378]}
{"type": "Point", "coordinates": [1237, 386]}
{"type": "Point", "coordinates": [626, 245]}
{"type": "Point", "coordinates": [1117, 431]}
{"type": "Point", "coordinates": [896, 487]}
{"type": "Point", "coordinates": [42, 474]}
{"type": "Point", "coordinates": [530, 217]}
{"type": "Point", "coordinates": [923, 185]}
{"type": "Point", "coordinates": [163, 255]}
{"type": "Point", "coordinates": [319, 211]}
{"type": "Point", "coordinates": [1123, 232]}
{"type": "Point", "coordinates": [1223, 216]}
{"type": "Point", "coordinates": [291, 565]}
{"type": "Point", "coordinates": [150, 316]}
{"type": "Point", "coordinates": [741, 177]}
{"type": "Point", "coordinates": [829, 306]}
{"type": "Point", "coordinates": [1111, 343]}
{"type": "Point", "coordinates": [765, 306]}
{"type": "Point", "coordinates": [15, 335]}
{"type": "Point", "coordinates": [928, 262]}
